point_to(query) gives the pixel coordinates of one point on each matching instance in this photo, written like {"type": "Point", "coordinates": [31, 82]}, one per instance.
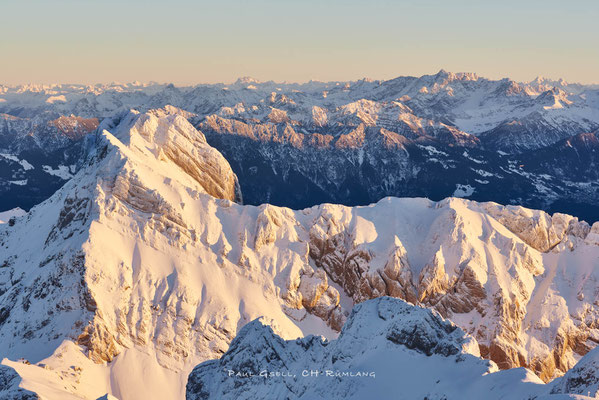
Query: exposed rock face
{"type": "Point", "coordinates": [74, 127]}
{"type": "Point", "coordinates": [385, 343]}
{"type": "Point", "coordinates": [422, 137]}
{"type": "Point", "coordinates": [9, 386]}
{"type": "Point", "coordinates": [537, 229]}
{"type": "Point", "coordinates": [358, 165]}
{"type": "Point", "coordinates": [490, 278]}
{"type": "Point", "coordinates": [582, 379]}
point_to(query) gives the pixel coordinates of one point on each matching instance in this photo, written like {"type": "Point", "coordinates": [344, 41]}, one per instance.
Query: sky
{"type": "Point", "coordinates": [188, 42]}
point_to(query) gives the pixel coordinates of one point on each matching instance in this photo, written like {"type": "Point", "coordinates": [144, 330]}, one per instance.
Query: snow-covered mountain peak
{"type": "Point", "coordinates": [102, 241]}
{"type": "Point", "coordinates": [456, 76]}
{"type": "Point", "coordinates": [169, 145]}
{"type": "Point", "coordinates": [246, 80]}
{"type": "Point", "coordinates": [541, 80]}
{"type": "Point", "coordinates": [554, 98]}
{"type": "Point", "coordinates": [385, 345]}
{"type": "Point", "coordinates": [419, 329]}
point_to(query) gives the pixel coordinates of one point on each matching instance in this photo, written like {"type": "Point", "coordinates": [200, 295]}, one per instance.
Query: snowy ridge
{"type": "Point", "coordinates": [143, 258]}
{"type": "Point", "coordinates": [7, 215]}
{"type": "Point", "coordinates": [386, 349]}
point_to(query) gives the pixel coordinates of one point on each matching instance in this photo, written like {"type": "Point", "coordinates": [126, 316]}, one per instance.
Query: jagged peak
{"type": "Point", "coordinates": [419, 329]}
{"type": "Point", "coordinates": [383, 328]}
{"type": "Point", "coordinates": [510, 87]}
{"type": "Point", "coordinates": [553, 98]}
{"type": "Point", "coordinates": [164, 141]}
{"type": "Point", "coordinates": [456, 76]}
{"type": "Point", "coordinates": [540, 80]}
{"type": "Point", "coordinates": [126, 123]}
{"type": "Point", "coordinates": [245, 80]}
{"type": "Point", "coordinates": [399, 322]}
{"type": "Point", "coordinates": [545, 83]}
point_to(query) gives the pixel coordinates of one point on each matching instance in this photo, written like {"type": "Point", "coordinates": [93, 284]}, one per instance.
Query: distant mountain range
{"type": "Point", "coordinates": [534, 144]}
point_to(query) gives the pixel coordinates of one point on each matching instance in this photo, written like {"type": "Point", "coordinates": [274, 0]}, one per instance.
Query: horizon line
{"type": "Point", "coordinates": [251, 80]}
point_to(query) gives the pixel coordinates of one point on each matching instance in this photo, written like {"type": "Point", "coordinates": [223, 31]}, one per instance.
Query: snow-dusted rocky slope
{"type": "Point", "coordinates": [388, 349]}
{"type": "Point", "coordinates": [7, 215]}
{"type": "Point", "coordinates": [353, 143]}
{"type": "Point", "coordinates": [142, 266]}
{"type": "Point", "coordinates": [38, 155]}
{"type": "Point", "coordinates": [583, 379]}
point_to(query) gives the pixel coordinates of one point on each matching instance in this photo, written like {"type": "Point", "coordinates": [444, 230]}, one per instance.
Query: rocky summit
{"type": "Point", "coordinates": [386, 346]}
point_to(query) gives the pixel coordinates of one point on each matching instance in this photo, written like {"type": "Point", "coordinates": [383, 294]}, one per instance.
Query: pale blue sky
{"type": "Point", "coordinates": [184, 41]}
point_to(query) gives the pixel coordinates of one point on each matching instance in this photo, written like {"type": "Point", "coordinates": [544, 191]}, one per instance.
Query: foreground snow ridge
{"type": "Point", "coordinates": [387, 349]}
{"type": "Point", "coordinates": [144, 265]}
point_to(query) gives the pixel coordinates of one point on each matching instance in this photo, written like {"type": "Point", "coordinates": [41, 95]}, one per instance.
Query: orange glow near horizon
{"type": "Point", "coordinates": [185, 42]}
